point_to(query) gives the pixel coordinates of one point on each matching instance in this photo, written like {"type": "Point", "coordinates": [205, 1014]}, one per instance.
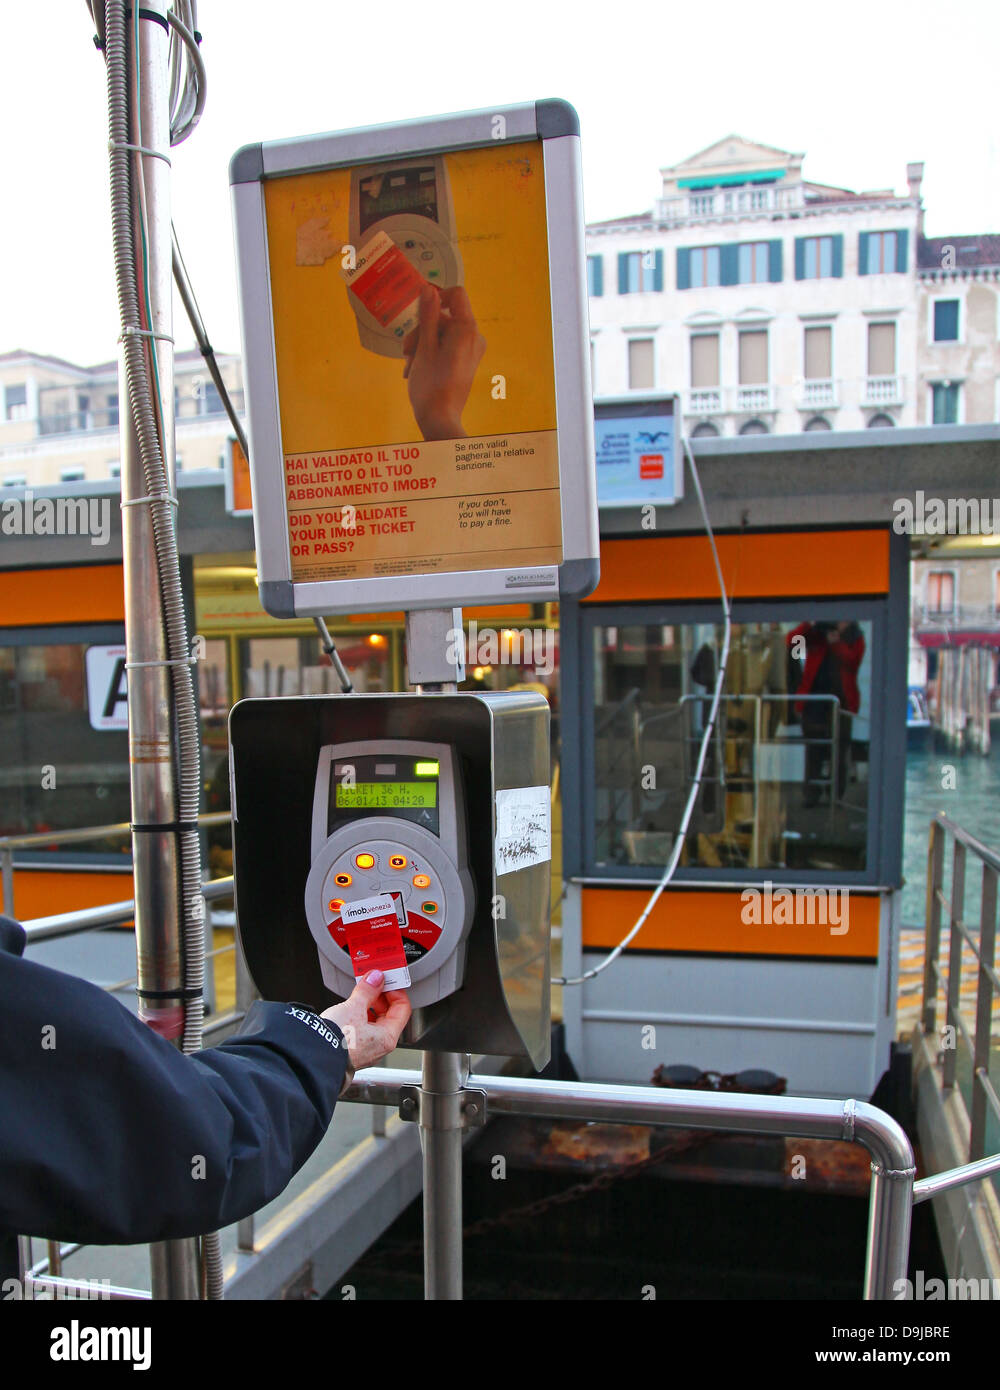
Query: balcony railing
{"type": "Point", "coordinates": [819, 394]}
{"type": "Point", "coordinates": [883, 390]}
{"type": "Point", "coordinates": [82, 421]}
{"type": "Point", "coordinates": [704, 400]}
{"type": "Point", "coordinates": [77, 421]}
{"type": "Point", "coordinates": [755, 398]}
{"type": "Point", "coordinates": [981, 617]}
{"type": "Point", "coordinates": [720, 400]}
{"type": "Point", "coordinates": [728, 202]}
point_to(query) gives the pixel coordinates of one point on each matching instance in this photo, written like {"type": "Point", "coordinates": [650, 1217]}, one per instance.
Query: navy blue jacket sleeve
{"type": "Point", "coordinates": [108, 1134]}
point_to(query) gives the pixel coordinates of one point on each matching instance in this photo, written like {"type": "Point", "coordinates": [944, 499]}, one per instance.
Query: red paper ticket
{"type": "Point", "coordinates": [387, 284]}
{"type": "Point", "coordinates": [374, 939]}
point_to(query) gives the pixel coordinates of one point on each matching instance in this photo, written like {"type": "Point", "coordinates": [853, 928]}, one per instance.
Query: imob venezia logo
{"type": "Point", "coordinates": [29, 515]}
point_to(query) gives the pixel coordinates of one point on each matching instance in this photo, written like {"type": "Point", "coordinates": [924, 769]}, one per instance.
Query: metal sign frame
{"type": "Point", "coordinates": [556, 125]}
{"type": "Point", "coordinates": [639, 406]}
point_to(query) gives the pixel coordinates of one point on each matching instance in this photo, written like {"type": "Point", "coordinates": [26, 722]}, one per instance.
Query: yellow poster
{"type": "Point", "coordinates": [413, 344]}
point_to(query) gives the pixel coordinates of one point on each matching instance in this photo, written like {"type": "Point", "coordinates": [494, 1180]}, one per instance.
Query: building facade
{"type": "Point", "coordinates": [771, 303]}
{"type": "Point", "coordinates": [59, 421]}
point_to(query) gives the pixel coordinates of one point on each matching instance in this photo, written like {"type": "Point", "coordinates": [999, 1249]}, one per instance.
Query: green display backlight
{"type": "Point", "coordinates": [427, 769]}
{"type": "Point", "coordinates": [386, 796]}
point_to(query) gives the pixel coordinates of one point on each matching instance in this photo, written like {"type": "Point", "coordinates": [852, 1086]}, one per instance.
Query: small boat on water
{"type": "Point", "coordinates": [918, 720]}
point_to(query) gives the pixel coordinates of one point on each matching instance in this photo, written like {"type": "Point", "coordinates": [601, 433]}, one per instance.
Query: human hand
{"type": "Point", "coordinates": [367, 1042]}
{"type": "Point", "coordinates": [442, 354]}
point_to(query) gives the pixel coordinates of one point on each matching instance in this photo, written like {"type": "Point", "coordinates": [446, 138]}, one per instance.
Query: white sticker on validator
{"type": "Point", "coordinates": [524, 828]}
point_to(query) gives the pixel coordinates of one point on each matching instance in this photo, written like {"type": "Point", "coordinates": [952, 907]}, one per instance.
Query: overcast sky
{"type": "Point", "coordinates": [860, 86]}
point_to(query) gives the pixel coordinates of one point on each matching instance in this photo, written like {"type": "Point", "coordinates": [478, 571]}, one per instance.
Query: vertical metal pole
{"type": "Point", "coordinates": [441, 1133]}
{"type": "Point", "coordinates": [211, 961]}
{"type": "Point", "coordinates": [174, 1264]}
{"type": "Point", "coordinates": [932, 942]}
{"type": "Point", "coordinates": [954, 995]}
{"type": "Point", "coordinates": [890, 1211]}
{"type": "Point", "coordinates": [245, 995]}
{"type": "Point", "coordinates": [7, 871]}
{"type": "Point", "coordinates": [434, 661]}
{"type": "Point", "coordinates": [984, 1013]}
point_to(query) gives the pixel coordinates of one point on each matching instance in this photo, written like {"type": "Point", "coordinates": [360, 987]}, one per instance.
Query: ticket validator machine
{"type": "Point", "coordinates": [410, 200]}
{"type": "Point", "coordinates": [389, 818]}
{"type": "Point", "coordinates": [440, 802]}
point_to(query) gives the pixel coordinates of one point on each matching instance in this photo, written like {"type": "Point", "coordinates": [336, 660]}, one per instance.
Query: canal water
{"type": "Point", "coordinates": [967, 789]}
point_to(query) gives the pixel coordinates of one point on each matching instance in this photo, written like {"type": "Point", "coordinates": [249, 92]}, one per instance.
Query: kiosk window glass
{"type": "Point", "coordinates": [785, 784]}
{"type": "Point", "coordinates": [298, 665]}
{"type": "Point", "coordinates": [59, 772]}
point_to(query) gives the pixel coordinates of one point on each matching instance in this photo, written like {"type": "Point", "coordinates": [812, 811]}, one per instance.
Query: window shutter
{"type": "Point", "coordinates": [753, 357]}
{"type": "Point", "coordinates": [704, 360]}
{"type": "Point", "coordinates": [658, 272]}
{"type": "Point", "coordinates": [838, 257]}
{"type": "Point", "coordinates": [862, 253]}
{"type": "Point", "coordinates": [800, 258]}
{"type": "Point", "coordinates": [729, 264]}
{"type": "Point", "coordinates": [598, 275]}
{"type": "Point", "coordinates": [641, 372]}
{"type": "Point", "coordinates": [946, 320]}
{"type": "Point", "coordinates": [901, 240]}
{"type": "Point", "coordinates": [818, 356]}
{"type": "Point", "coordinates": [623, 272]}
{"type": "Point", "coordinates": [774, 261]}
{"type": "Point", "coordinates": [683, 267]}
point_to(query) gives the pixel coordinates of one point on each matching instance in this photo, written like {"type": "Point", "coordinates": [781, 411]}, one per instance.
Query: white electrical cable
{"type": "Point", "coordinates": [669, 871]}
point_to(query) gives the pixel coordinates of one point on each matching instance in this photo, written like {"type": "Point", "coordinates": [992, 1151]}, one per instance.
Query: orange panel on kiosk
{"type": "Point", "coordinates": [778, 920]}
{"type": "Point", "coordinates": [790, 564]}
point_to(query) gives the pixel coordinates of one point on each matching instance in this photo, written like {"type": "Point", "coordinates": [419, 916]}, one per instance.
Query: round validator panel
{"type": "Point", "coordinates": [383, 837]}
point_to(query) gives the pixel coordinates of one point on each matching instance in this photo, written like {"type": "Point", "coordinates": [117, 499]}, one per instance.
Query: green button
{"type": "Point", "coordinates": [428, 907]}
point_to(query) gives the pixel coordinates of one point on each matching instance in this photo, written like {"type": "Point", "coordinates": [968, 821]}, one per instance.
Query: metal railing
{"type": "Point", "coordinates": [121, 830]}
{"type": "Point", "coordinates": [982, 945]}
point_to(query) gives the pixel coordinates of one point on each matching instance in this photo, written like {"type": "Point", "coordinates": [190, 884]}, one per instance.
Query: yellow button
{"type": "Point", "coordinates": [365, 861]}
{"type": "Point", "coordinates": [421, 881]}
{"type": "Point", "coordinates": [343, 880]}
{"type": "Point", "coordinates": [397, 861]}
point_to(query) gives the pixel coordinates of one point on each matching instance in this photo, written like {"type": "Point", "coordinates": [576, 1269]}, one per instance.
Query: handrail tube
{"type": "Point", "coordinates": [982, 851]}
{"type": "Point", "coordinates": [893, 1168]}
{"type": "Point", "coordinates": [76, 1286]}
{"type": "Point", "coordinates": [92, 832]}
{"type": "Point", "coordinates": [933, 1186]}
{"type": "Point", "coordinates": [107, 915]}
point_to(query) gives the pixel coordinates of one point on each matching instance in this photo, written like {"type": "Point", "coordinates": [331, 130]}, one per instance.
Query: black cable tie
{"type": "Point", "coordinates": [155, 827]}
{"type": "Point", "coordinates": [150, 14]}
{"type": "Point", "coordinates": [197, 37]}
{"type": "Point", "coordinates": [194, 993]}
{"type": "Point", "coordinates": [99, 44]}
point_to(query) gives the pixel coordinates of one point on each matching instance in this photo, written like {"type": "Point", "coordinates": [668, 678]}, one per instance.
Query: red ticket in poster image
{"type": "Point", "coordinates": [650, 465]}
{"type": "Point", "coordinates": [388, 285]}
{"type": "Point", "coordinates": [374, 940]}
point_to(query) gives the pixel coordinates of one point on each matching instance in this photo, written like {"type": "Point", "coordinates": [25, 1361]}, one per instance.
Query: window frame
{"type": "Point", "coordinates": [753, 249]}
{"type": "Point", "coordinates": [941, 574]}
{"type": "Point", "coordinates": [935, 341]}
{"type": "Point", "coordinates": [593, 616]}
{"type": "Point", "coordinates": [644, 270]}
{"type": "Point", "coordinates": [703, 251]}
{"type": "Point", "coordinates": [947, 384]}
{"type": "Point", "coordinates": [72, 635]}
{"type": "Point", "coordinates": [636, 338]}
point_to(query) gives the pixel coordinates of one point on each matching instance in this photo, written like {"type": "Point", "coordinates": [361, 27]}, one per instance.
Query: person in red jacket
{"type": "Point", "coordinates": [833, 653]}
